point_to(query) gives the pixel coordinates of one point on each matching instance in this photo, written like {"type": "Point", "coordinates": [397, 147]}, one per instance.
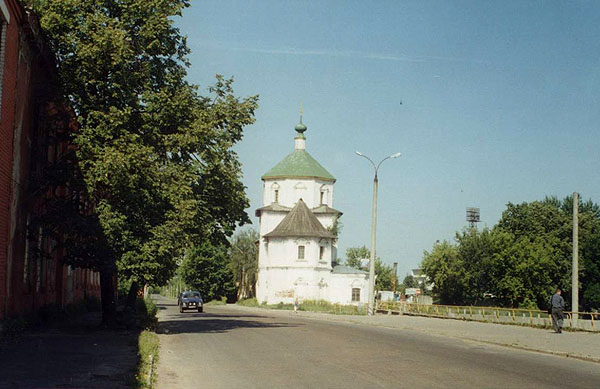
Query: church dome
{"type": "Point", "coordinates": [299, 164]}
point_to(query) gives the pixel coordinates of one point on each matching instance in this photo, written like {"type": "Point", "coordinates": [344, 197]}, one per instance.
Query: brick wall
{"type": "Point", "coordinates": [7, 122]}
{"type": "Point", "coordinates": [32, 272]}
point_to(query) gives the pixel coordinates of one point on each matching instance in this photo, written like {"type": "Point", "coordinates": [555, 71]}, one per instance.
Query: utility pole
{"type": "Point", "coordinates": [371, 309]}
{"type": "Point", "coordinates": [373, 240]}
{"type": "Point", "coordinates": [395, 277]}
{"type": "Point", "coordinates": [575, 269]}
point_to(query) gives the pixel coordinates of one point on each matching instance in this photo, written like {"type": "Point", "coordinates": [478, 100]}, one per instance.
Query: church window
{"type": "Point", "coordinates": [300, 252]}
{"type": "Point", "coordinates": [323, 193]}
{"type": "Point", "coordinates": [275, 189]}
{"type": "Point", "coordinates": [355, 294]}
{"type": "Point", "coordinates": [321, 252]}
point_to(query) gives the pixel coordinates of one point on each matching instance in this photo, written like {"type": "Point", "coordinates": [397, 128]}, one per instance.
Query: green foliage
{"type": "Point", "coordinates": [148, 344]}
{"type": "Point", "coordinates": [384, 273]}
{"type": "Point", "coordinates": [336, 227]}
{"type": "Point", "coordinates": [355, 255]}
{"type": "Point", "coordinates": [154, 160]}
{"type": "Point", "coordinates": [410, 282]}
{"type": "Point", "coordinates": [243, 261]}
{"type": "Point", "coordinates": [251, 302]}
{"type": "Point", "coordinates": [520, 261]}
{"type": "Point", "coordinates": [445, 269]}
{"type": "Point", "coordinates": [205, 268]}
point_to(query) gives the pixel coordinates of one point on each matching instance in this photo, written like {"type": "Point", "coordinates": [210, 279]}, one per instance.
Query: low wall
{"type": "Point", "coordinates": [584, 320]}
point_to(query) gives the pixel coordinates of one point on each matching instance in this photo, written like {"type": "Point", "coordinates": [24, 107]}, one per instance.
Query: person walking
{"type": "Point", "coordinates": [557, 305]}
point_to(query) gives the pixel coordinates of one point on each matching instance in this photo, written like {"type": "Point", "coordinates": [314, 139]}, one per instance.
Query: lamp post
{"type": "Point", "coordinates": [371, 310]}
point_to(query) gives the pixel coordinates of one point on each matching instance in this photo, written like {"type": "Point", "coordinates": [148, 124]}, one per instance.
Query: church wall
{"type": "Point", "coordinates": [292, 189]}
{"type": "Point", "coordinates": [285, 284]}
{"type": "Point", "coordinates": [340, 288]}
{"type": "Point", "coordinates": [284, 252]}
{"type": "Point", "coordinates": [270, 220]}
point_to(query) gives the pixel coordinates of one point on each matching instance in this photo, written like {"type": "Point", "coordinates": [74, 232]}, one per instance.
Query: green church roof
{"type": "Point", "coordinates": [299, 164]}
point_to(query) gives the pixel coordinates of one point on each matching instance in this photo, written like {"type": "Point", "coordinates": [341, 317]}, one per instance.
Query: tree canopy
{"type": "Point", "coordinates": [521, 259]}
{"type": "Point", "coordinates": [384, 274]}
{"type": "Point", "coordinates": [155, 158]}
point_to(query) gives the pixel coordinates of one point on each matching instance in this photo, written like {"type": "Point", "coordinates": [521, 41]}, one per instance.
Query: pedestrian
{"type": "Point", "coordinates": [557, 305]}
{"type": "Point", "coordinates": [296, 305]}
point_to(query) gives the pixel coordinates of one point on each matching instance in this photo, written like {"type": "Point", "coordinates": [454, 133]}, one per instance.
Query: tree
{"type": "Point", "coordinates": [410, 282]}
{"type": "Point", "coordinates": [356, 255]}
{"type": "Point", "coordinates": [243, 256]}
{"type": "Point", "coordinates": [205, 269]}
{"type": "Point", "coordinates": [385, 276]}
{"type": "Point", "coordinates": [445, 269]}
{"type": "Point", "coordinates": [522, 259]}
{"type": "Point", "coordinates": [155, 158]}
{"type": "Point", "coordinates": [384, 273]}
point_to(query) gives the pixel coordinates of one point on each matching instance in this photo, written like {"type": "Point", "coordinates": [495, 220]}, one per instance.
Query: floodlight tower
{"type": "Point", "coordinates": [473, 216]}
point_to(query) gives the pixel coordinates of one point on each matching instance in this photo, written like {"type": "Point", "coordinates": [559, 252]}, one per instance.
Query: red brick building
{"type": "Point", "coordinates": [34, 130]}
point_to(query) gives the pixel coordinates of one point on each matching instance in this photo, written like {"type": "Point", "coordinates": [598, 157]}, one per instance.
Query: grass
{"type": "Point", "coordinates": [222, 301]}
{"type": "Point", "coordinates": [148, 346]}
{"type": "Point", "coordinates": [309, 306]}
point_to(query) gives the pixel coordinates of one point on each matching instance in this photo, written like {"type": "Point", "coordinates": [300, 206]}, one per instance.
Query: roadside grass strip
{"type": "Point", "coordinates": [148, 346]}
{"type": "Point", "coordinates": [309, 306]}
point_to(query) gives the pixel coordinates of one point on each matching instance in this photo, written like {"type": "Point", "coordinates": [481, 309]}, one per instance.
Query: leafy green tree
{"type": "Point", "coordinates": [409, 282]}
{"type": "Point", "coordinates": [384, 273]}
{"type": "Point", "coordinates": [205, 269]}
{"type": "Point", "coordinates": [446, 270]}
{"type": "Point", "coordinates": [522, 259]}
{"type": "Point", "coordinates": [243, 256]}
{"type": "Point", "coordinates": [155, 157]}
{"type": "Point", "coordinates": [355, 255]}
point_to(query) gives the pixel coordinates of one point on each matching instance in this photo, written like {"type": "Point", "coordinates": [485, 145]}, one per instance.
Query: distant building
{"type": "Point", "coordinates": [296, 250]}
{"type": "Point", "coordinates": [34, 133]}
{"type": "Point", "coordinates": [421, 279]}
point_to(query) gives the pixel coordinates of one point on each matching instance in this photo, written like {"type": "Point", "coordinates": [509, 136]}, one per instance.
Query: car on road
{"type": "Point", "coordinates": [191, 300]}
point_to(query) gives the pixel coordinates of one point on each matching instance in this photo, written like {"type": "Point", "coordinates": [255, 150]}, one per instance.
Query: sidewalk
{"type": "Point", "coordinates": [581, 345]}
{"type": "Point", "coordinates": [75, 357]}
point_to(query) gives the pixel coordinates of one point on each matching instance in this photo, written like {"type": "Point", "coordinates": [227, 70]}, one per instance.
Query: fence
{"type": "Point", "coordinates": [587, 321]}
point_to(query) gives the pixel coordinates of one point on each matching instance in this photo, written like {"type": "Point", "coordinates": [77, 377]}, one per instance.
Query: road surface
{"type": "Point", "coordinates": [228, 347]}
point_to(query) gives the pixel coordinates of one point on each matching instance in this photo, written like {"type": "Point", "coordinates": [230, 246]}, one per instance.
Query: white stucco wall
{"type": "Point", "coordinates": [281, 275]}
{"type": "Point", "coordinates": [290, 190]}
{"type": "Point", "coordinates": [340, 288]}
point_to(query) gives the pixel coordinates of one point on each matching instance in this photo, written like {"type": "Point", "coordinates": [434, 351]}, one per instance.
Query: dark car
{"type": "Point", "coordinates": [190, 300]}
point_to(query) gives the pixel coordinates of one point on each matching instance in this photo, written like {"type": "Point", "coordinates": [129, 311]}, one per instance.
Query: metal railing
{"type": "Point", "coordinates": [587, 321]}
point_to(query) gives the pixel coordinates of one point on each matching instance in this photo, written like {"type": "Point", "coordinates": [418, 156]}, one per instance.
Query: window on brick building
{"type": "Point", "coordinates": [321, 252]}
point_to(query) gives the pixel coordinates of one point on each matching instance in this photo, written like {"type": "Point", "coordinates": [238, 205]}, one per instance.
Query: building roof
{"type": "Point", "coordinates": [299, 164]}
{"type": "Point", "coordinates": [273, 207]}
{"type": "Point", "coordinates": [300, 222]}
{"type": "Point", "coordinates": [276, 207]}
{"type": "Point", "coordinates": [324, 208]}
{"type": "Point", "coordinates": [341, 269]}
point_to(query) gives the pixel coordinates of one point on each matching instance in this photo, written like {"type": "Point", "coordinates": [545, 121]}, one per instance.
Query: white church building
{"type": "Point", "coordinates": [296, 248]}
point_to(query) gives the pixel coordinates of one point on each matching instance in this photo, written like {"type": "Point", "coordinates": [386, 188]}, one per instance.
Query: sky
{"type": "Point", "coordinates": [488, 102]}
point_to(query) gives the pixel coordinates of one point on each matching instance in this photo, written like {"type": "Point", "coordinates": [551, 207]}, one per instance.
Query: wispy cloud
{"type": "Point", "coordinates": [358, 54]}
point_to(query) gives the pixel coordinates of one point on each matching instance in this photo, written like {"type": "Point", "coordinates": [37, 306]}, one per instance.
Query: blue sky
{"type": "Point", "coordinates": [489, 103]}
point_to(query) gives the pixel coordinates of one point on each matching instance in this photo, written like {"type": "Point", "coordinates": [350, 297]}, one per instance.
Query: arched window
{"type": "Point", "coordinates": [323, 195]}
{"type": "Point", "coordinates": [275, 191]}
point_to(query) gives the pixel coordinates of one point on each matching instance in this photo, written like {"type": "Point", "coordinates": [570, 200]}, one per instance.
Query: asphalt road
{"type": "Point", "coordinates": [228, 347]}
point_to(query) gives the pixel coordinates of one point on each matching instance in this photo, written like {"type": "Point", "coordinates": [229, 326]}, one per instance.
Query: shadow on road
{"type": "Point", "coordinates": [213, 323]}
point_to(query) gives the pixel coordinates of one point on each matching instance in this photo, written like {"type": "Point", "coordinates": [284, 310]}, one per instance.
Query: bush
{"type": "Point", "coordinates": [252, 302]}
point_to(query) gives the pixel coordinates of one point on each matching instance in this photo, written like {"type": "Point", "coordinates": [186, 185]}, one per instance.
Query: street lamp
{"type": "Point", "coordinates": [373, 230]}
